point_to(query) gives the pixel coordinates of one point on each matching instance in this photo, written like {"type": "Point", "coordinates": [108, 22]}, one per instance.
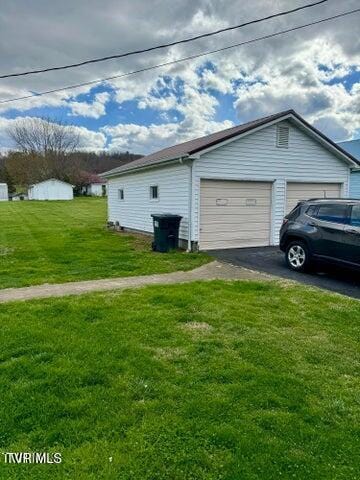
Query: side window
{"type": "Point", "coordinates": [336, 213]}
{"type": "Point", "coordinates": [312, 210]}
{"type": "Point", "coordinates": [121, 194]}
{"type": "Point", "coordinates": [355, 216]}
{"type": "Point", "coordinates": [154, 192]}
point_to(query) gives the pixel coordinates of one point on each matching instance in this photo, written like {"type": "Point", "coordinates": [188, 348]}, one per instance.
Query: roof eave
{"type": "Point", "coordinates": [160, 163]}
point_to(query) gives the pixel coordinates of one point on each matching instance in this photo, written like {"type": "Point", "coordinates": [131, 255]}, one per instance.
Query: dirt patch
{"type": "Point", "coordinates": [6, 251]}
{"type": "Point", "coordinates": [286, 283]}
{"type": "Point", "coordinates": [168, 353]}
{"type": "Point", "coordinates": [197, 327]}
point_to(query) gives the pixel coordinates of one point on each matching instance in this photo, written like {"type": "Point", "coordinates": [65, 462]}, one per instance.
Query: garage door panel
{"type": "Point", "coordinates": [210, 219]}
{"type": "Point", "coordinates": [305, 191]}
{"type": "Point", "coordinates": [246, 235]}
{"type": "Point", "coordinates": [224, 185]}
{"type": "Point", "coordinates": [233, 229]}
{"type": "Point", "coordinates": [233, 243]}
{"type": "Point", "coordinates": [231, 202]}
{"type": "Point", "coordinates": [235, 192]}
{"type": "Point", "coordinates": [234, 214]}
{"type": "Point", "coordinates": [227, 210]}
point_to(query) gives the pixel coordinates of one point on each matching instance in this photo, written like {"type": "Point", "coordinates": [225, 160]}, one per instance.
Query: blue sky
{"type": "Point", "coordinates": [316, 72]}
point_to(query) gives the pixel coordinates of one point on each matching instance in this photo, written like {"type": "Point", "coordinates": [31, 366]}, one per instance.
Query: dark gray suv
{"type": "Point", "coordinates": [322, 230]}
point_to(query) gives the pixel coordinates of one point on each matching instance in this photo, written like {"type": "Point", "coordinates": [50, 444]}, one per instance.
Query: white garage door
{"type": "Point", "coordinates": [304, 191]}
{"type": "Point", "coordinates": [234, 214]}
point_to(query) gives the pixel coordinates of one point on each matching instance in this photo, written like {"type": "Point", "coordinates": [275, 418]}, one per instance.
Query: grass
{"type": "Point", "coordinates": [212, 380]}
{"type": "Point", "coordinates": [54, 242]}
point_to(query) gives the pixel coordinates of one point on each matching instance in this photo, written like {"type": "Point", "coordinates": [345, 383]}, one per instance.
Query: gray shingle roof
{"type": "Point", "coordinates": [193, 146]}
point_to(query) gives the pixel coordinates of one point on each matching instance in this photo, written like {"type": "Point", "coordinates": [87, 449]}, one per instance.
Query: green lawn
{"type": "Point", "coordinates": [51, 242]}
{"type": "Point", "coordinates": [213, 380]}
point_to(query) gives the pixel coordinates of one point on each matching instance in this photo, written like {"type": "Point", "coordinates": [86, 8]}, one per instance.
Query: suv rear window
{"type": "Point", "coordinates": [355, 216]}
{"type": "Point", "coordinates": [336, 213]}
{"type": "Point", "coordinates": [311, 211]}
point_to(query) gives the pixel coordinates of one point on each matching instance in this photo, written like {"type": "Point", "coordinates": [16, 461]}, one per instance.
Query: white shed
{"type": "Point", "coordinates": [51, 189]}
{"type": "Point", "coordinates": [4, 194]}
{"type": "Point", "coordinates": [95, 189]}
{"type": "Point", "coordinates": [233, 187]}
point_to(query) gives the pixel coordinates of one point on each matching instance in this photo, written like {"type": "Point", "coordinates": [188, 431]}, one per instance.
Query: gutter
{"type": "Point", "coordinates": [160, 163]}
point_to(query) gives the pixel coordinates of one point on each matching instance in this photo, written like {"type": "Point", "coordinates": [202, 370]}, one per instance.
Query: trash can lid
{"type": "Point", "coordinates": [166, 215]}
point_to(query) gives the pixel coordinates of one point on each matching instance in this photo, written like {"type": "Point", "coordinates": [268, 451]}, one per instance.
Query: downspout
{"type": "Point", "coordinates": [189, 249]}
{"type": "Point", "coordinates": [182, 161]}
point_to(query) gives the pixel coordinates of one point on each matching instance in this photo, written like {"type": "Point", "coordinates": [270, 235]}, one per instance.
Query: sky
{"type": "Point", "coordinates": [315, 71]}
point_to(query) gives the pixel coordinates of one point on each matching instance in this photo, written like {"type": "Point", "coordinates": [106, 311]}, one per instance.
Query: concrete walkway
{"type": "Point", "coordinates": [211, 271]}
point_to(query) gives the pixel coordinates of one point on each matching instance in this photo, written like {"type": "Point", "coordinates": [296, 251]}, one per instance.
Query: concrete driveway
{"type": "Point", "coordinates": [271, 260]}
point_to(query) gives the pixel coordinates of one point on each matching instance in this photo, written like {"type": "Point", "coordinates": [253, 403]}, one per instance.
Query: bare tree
{"type": "Point", "coordinates": [42, 136]}
{"type": "Point", "coordinates": [43, 148]}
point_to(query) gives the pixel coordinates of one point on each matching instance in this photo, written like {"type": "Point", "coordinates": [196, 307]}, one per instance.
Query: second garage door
{"type": "Point", "coordinates": [304, 191]}
{"type": "Point", "coordinates": [234, 214]}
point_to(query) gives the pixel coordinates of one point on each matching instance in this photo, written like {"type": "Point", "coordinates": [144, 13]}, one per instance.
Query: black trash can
{"type": "Point", "coordinates": [166, 231]}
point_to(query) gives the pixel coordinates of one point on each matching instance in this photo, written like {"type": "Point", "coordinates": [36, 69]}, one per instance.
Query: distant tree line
{"type": "Point", "coordinates": [46, 149]}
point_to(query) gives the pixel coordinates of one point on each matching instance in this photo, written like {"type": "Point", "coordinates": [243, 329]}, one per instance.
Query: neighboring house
{"type": "Point", "coordinates": [51, 189]}
{"type": "Point", "coordinates": [95, 186]}
{"type": "Point", "coordinates": [4, 193]}
{"type": "Point", "coordinates": [18, 196]}
{"type": "Point", "coordinates": [233, 187]}
{"type": "Point", "coordinates": [353, 147]}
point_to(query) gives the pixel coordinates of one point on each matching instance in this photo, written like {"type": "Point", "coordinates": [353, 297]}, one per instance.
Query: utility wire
{"type": "Point", "coordinates": [165, 45]}
{"type": "Point", "coordinates": [191, 57]}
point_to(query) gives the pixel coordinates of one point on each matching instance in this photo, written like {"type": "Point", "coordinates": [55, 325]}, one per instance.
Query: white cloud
{"type": "Point", "coordinates": [295, 70]}
{"type": "Point", "coordinates": [146, 139]}
{"type": "Point", "coordinates": [301, 84]}
{"type": "Point", "coordinates": [158, 103]}
{"type": "Point", "coordinates": [94, 109]}
{"type": "Point", "coordinates": [90, 140]}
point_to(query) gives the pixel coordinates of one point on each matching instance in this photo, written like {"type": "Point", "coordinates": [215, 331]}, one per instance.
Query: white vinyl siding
{"type": "Point", "coordinates": [355, 185]}
{"type": "Point", "coordinates": [134, 212]}
{"type": "Point", "coordinates": [255, 157]}
{"type": "Point", "coordinates": [234, 214]}
{"type": "Point", "coordinates": [304, 191]}
{"type": "Point", "coordinates": [51, 190]}
{"type": "Point", "coordinates": [4, 194]}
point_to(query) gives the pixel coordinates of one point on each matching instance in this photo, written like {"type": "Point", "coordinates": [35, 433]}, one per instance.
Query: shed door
{"type": "Point", "coordinates": [234, 214]}
{"type": "Point", "coordinates": [305, 191]}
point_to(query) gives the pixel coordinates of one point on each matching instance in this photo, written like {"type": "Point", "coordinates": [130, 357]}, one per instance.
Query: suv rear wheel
{"type": "Point", "coordinates": [297, 256]}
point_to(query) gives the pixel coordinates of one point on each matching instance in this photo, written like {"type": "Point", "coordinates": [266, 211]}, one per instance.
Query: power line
{"type": "Point", "coordinates": [191, 57]}
{"type": "Point", "coordinates": [165, 45]}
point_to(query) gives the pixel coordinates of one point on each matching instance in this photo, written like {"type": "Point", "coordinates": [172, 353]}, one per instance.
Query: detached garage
{"type": "Point", "coordinates": [233, 187]}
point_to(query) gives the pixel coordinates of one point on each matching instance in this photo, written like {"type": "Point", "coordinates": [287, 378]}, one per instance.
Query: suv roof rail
{"type": "Point", "coordinates": [332, 199]}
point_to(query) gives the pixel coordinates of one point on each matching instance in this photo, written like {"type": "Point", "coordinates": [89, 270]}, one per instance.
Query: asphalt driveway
{"type": "Point", "coordinates": [271, 260]}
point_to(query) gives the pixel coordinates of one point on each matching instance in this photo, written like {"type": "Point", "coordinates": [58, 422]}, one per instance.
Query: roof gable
{"type": "Point", "coordinates": [200, 145]}
{"type": "Point", "coordinates": [52, 180]}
